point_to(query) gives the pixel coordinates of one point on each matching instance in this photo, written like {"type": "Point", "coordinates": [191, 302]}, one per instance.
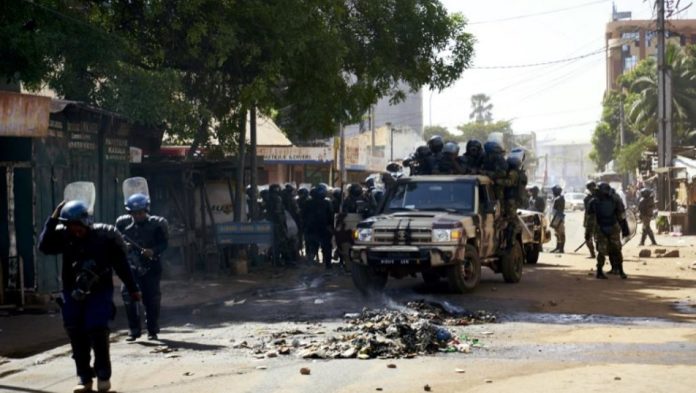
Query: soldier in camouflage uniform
{"type": "Point", "coordinates": [494, 166]}
{"type": "Point", "coordinates": [608, 217]}
{"type": "Point", "coordinates": [646, 209]}
{"type": "Point", "coordinates": [558, 219]}
{"type": "Point", "coordinates": [587, 222]}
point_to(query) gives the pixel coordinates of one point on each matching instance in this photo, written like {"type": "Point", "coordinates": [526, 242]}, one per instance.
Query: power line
{"type": "Point", "coordinates": [538, 13]}
{"type": "Point", "coordinates": [539, 64]}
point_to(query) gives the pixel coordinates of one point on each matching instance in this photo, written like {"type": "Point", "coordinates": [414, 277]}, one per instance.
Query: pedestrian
{"type": "Point", "coordinates": [558, 218]}
{"type": "Point", "coordinates": [587, 221]}
{"type": "Point", "coordinates": [146, 236]}
{"type": "Point", "coordinates": [646, 209]}
{"type": "Point", "coordinates": [608, 215]}
{"type": "Point", "coordinates": [537, 203]}
{"type": "Point", "coordinates": [91, 253]}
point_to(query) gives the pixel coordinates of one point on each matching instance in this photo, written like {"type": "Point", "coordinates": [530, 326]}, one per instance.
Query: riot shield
{"type": "Point", "coordinates": [135, 185]}
{"type": "Point", "coordinates": [632, 222]}
{"type": "Point", "coordinates": [81, 191]}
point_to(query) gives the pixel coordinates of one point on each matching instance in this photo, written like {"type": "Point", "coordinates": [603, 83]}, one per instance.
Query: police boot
{"type": "Point", "coordinates": [600, 266]}
{"type": "Point", "coordinates": [642, 239]}
{"type": "Point", "coordinates": [652, 238]}
{"type": "Point", "coordinates": [555, 250]}
{"type": "Point", "coordinates": [619, 266]}
{"type": "Point", "coordinates": [561, 248]}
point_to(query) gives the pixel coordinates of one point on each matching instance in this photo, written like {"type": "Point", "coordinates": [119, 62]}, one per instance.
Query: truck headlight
{"type": "Point", "coordinates": [363, 234]}
{"type": "Point", "coordinates": [446, 235]}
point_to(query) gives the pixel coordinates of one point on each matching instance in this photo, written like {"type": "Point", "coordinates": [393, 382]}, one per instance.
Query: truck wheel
{"type": "Point", "coordinates": [531, 253]}
{"type": "Point", "coordinates": [465, 275]}
{"type": "Point", "coordinates": [366, 279]}
{"type": "Point", "coordinates": [511, 263]}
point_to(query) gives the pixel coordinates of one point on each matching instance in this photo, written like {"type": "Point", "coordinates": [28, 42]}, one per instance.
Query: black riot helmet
{"type": "Point", "coordinates": [303, 192]}
{"type": "Point", "coordinates": [355, 190]}
{"type": "Point", "coordinates": [451, 148]}
{"type": "Point", "coordinates": [514, 163]}
{"type": "Point", "coordinates": [534, 190]}
{"type": "Point", "coordinates": [646, 193]}
{"type": "Point", "coordinates": [474, 148]}
{"type": "Point", "coordinates": [493, 147]}
{"type": "Point", "coordinates": [591, 186]}
{"type": "Point", "coordinates": [423, 152]}
{"type": "Point", "coordinates": [556, 190]}
{"type": "Point", "coordinates": [274, 189]}
{"type": "Point", "coordinates": [604, 189]}
{"type": "Point", "coordinates": [436, 143]}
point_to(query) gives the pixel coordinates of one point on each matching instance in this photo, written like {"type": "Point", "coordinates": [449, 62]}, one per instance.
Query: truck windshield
{"type": "Point", "coordinates": [426, 195]}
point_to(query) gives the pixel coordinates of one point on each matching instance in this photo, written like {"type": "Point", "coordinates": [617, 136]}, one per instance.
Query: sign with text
{"type": "Point", "coordinates": [295, 154]}
{"type": "Point", "coordinates": [258, 232]}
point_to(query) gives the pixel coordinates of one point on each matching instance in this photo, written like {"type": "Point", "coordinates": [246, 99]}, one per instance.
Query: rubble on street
{"type": "Point", "coordinates": [419, 328]}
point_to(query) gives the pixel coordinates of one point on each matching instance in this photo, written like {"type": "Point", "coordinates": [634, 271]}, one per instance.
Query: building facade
{"type": "Point", "coordinates": [630, 41]}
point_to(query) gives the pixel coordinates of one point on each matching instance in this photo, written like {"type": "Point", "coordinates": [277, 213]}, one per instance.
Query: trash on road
{"type": "Point", "coordinates": [419, 328]}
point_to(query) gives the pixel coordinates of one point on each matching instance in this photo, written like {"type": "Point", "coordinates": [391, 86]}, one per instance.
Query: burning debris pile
{"type": "Point", "coordinates": [420, 328]}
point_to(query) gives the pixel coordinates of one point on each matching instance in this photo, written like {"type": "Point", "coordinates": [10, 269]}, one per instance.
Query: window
{"type": "Point", "coordinates": [630, 63]}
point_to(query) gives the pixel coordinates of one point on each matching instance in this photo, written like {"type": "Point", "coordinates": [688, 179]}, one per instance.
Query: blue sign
{"type": "Point", "coordinates": [258, 232]}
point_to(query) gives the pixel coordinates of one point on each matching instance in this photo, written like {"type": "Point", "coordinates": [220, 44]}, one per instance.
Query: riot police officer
{"type": "Point", "coordinates": [449, 164]}
{"type": "Point", "coordinates": [319, 223]}
{"type": "Point", "coordinates": [608, 216]}
{"type": "Point", "coordinates": [494, 166]}
{"type": "Point", "coordinates": [301, 200]}
{"type": "Point", "coordinates": [536, 202]}
{"type": "Point", "coordinates": [420, 162]}
{"type": "Point", "coordinates": [587, 222]}
{"type": "Point", "coordinates": [558, 218]}
{"type": "Point", "coordinates": [275, 213]}
{"type": "Point", "coordinates": [91, 253]}
{"type": "Point", "coordinates": [472, 159]}
{"type": "Point", "coordinates": [147, 237]}
{"type": "Point", "coordinates": [646, 209]}
{"type": "Point", "coordinates": [358, 201]}
{"type": "Point", "coordinates": [514, 190]}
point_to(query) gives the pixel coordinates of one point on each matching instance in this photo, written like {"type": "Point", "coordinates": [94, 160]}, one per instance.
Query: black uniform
{"type": "Point", "coordinates": [588, 224]}
{"type": "Point", "coordinates": [537, 203]}
{"type": "Point", "coordinates": [89, 263]}
{"type": "Point", "coordinates": [153, 234]}
{"type": "Point", "coordinates": [646, 207]}
{"type": "Point", "coordinates": [319, 222]}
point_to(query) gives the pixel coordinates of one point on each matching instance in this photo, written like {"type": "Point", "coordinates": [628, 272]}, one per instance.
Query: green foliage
{"type": "Point", "coordinates": [630, 155]}
{"type": "Point", "coordinates": [481, 131]}
{"type": "Point", "coordinates": [603, 144]}
{"type": "Point", "coordinates": [431, 131]}
{"type": "Point", "coordinates": [191, 65]}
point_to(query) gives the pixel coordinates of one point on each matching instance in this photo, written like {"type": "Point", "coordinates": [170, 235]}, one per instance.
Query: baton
{"type": "Point", "coordinates": [580, 246]}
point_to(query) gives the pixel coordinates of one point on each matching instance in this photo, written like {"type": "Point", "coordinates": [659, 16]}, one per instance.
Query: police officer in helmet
{"type": "Point", "coordinates": [608, 217]}
{"type": "Point", "coordinates": [558, 218]}
{"type": "Point", "coordinates": [91, 253]}
{"type": "Point", "coordinates": [587, 222]}
{"type": "Point", "coordinates": [536, 202]}
{"type": "Point", "coordinates": [147, 236]}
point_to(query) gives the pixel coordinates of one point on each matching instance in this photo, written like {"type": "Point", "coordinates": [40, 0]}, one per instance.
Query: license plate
{"type": "Point", "coordinates": [394, 261]}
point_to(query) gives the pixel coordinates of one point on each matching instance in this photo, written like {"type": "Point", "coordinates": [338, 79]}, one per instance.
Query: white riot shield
{"type": "Point", "coordinates": [632, 222]}
{"type": "Point", "coordinates": [135, 185]}
{"type": "Point", "coordinates": [81, 191]}
{"type": "Point", "coordinates": [291, 225]}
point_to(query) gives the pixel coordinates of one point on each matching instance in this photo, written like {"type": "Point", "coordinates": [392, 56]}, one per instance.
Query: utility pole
{"type": "Point", "coordinates": [664, 110]}
{"type": "Point", "coordinates": [342, 155]}
{"type": "Point", "coordinates": [254, 165]}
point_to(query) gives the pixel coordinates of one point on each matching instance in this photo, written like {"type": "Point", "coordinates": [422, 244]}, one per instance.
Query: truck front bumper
{"type": "Point", "coordinates": [407, 256]}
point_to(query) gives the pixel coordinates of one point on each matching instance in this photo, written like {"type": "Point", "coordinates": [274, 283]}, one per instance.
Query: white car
{"type": "Point", "coordinates": [574, 201]}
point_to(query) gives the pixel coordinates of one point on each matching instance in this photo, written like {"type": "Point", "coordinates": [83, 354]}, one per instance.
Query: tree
{"type": "Point", "coordinates": [431, 131]}
{"type": "Point", "coordinates": [192, 66]}
{"type": "Point", "coordinates": [481, 131]}
{"type": "Point", "coordinates": [603, 144]}
{"type": "Point", "coordinates": [481, 109]}
{"type": "Point", "coordinates": [630, 155]}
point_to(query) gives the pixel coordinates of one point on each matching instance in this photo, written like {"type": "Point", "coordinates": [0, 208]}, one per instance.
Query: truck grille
{"type": "Point", "coordinates": [403, 236]}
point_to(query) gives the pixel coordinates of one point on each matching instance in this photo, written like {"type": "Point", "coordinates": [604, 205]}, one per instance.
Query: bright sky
{"type": "Point", "coordinates": [565, 97]}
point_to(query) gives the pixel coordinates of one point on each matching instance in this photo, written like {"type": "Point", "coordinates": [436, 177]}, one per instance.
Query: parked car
{"type": "Point", "coordinates": [574, 201]}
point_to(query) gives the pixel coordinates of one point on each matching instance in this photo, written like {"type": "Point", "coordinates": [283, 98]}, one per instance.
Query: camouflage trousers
{"type": "Point", "coordinates": [510, 218]}
{"type": "Point", "coordinates": [647, 231]}
{"type": "Point", "coordinates": [609, 244]}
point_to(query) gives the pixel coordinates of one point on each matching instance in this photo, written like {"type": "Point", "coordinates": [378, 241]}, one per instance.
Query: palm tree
{"type": "Point", "coordinates": [481, 109]}
{"type": "Point", "coordinates": [643, 112]}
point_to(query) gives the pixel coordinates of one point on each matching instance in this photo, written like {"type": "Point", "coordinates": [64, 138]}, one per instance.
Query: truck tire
{"type": "Point", "coordinates": [511, 263]}
{"type": "Point", "coordinates": [531, 253]}
{"type": "Point", "coordinates": [464, 276]}
{"type": "Point", "coordinates": [366, 279]}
